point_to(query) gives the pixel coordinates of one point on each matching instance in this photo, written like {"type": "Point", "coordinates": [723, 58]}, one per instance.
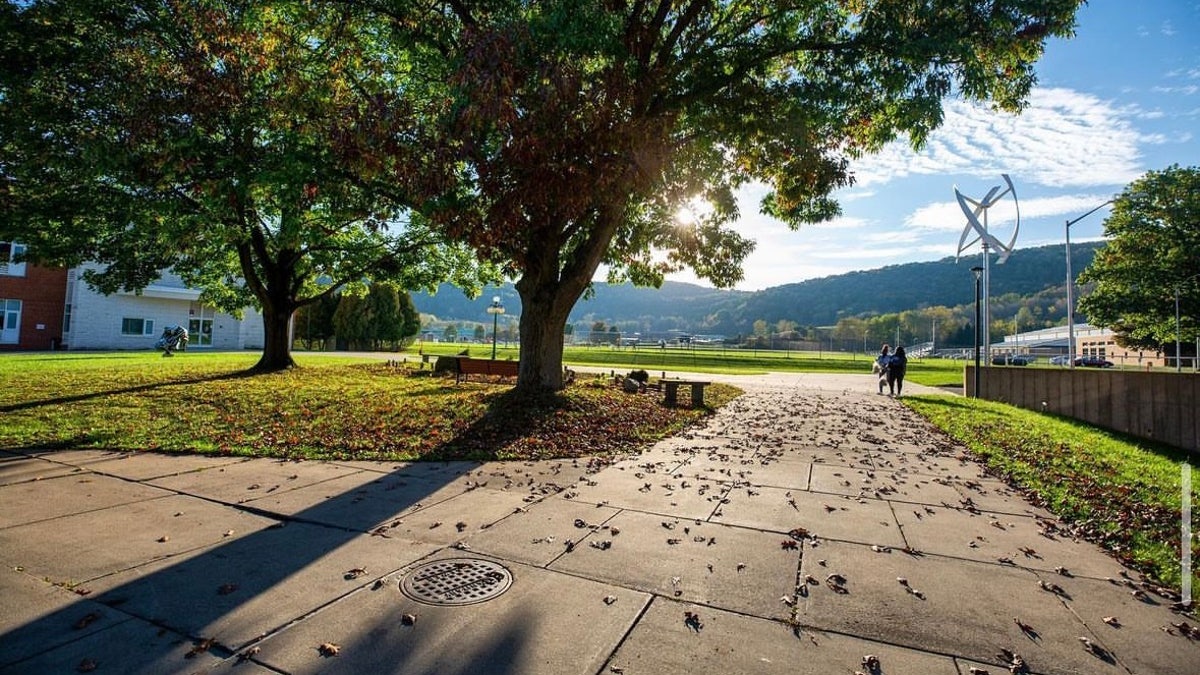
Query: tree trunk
{"type": "Point", "coordinates": [549, 289]}
{"type": "Point", "coordinates": [277, 345]}
{"type": "Point", "coordinates": [544, 313]}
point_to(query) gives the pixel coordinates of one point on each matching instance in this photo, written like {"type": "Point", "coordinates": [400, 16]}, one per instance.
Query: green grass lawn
{"type": "Point", "coordinates": [333, 407]}
{"type": "Point", "coordinates": [1120, 492]}
{"type": "Point", "coordinates": [932, 372]}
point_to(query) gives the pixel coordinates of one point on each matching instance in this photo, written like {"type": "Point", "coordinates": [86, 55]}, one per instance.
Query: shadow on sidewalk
{"type": "Point", "coordinates": [230, 588]}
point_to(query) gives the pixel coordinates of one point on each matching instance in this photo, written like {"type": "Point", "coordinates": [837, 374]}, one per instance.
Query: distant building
{"type": "Point", "coordinates": [52, 308]}
{"type": "Point", "coordinates": [127, 320]}
{"type": "Point", "coordinates": [31, 302]}
{"type": "Point", "coordinates": [1089, 341]}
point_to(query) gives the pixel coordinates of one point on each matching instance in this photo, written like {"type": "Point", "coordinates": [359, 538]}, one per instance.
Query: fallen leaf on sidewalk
{"type": "Point", "coordinates": [328, 649]}
{"type": "Point", "coordinates": [200, 647]}
{"type": "Point", "coordinates": [85, 620]}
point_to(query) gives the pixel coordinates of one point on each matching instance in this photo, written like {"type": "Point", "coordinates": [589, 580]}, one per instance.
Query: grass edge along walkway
{"type": "Point", "coordinates": [1122, 493]}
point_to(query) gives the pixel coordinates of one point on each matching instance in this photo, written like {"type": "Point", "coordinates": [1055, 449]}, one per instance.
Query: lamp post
{"type": "Point", "coordinates": [495, 309]}
{"type": "Point", "coordinates": [978, 272]}
{"type": "Point", "coordinates": [1178, 358]}
{"type": "Point", "coordinates": [1071, 286]}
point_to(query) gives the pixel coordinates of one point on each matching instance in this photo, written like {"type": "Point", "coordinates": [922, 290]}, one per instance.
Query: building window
{"type": "Point", "coordinates": [8, 252]}
{"type": "Point", "coordinates": [137, 327]}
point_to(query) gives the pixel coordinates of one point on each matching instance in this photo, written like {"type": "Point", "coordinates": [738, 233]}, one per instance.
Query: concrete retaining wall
{"type": "Point", "coordinates": [1159, 406]}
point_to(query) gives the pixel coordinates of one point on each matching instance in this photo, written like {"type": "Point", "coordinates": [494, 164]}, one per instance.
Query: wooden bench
{"type": "Point", "coordinates": [468, 366]}
{"type": "Point", "coordinates": [671, 386]}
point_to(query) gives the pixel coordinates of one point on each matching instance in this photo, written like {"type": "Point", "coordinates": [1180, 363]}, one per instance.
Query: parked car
{"type": "Point", "coordinates": [1013, 360]}
{"type": "Point", "coordinates": [1093, 362]}
{"type": "Point", "coordinates": [1060, 360]}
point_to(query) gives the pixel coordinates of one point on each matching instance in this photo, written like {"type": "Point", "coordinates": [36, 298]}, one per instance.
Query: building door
{"type": "Point", "coordinates": [200, 326]}
{"type": "Point", "coordinates": [200, 332]}
{"type": "Point", "coordinates": [10, 321]}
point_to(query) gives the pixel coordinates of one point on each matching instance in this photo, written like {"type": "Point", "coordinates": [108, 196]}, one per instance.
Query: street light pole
{"type": "Point", "coordinates": [1178, 358]}
{"type": "Point", "coordinates": [978, 272]}
{"type": "Point", "coordinates": [1071, 286]}
{"type": "Point", "coordinates": [495, 309]}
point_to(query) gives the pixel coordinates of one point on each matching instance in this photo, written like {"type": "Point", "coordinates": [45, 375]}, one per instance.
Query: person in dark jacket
{"type": "Point", "coordinates": [896, 368]}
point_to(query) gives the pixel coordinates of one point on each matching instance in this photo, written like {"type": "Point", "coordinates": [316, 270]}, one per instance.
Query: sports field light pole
{"type": "Point", "coordinates": [495, 309]}
{"type": "Point", "coordinates": [1071, 286]}
{"type": "Point", "coordinates": [978, 272]}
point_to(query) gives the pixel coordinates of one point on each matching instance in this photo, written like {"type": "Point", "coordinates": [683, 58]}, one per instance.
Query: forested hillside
{"type": "Point", "coordinates": [816, 302]}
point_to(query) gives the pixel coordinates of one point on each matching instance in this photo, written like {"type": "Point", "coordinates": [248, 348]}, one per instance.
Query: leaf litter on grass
{"type": "Point", "coordinates": [333, 410]}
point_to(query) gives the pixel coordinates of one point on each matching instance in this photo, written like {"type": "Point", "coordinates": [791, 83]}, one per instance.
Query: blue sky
{"type": "Point", "coordinates": [1120, 98]}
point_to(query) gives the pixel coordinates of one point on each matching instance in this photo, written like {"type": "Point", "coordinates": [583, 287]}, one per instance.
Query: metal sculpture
{"type": "Point", "coordinates": [973, 209]}
{"type": "Point", "coordinates": [173, 338]}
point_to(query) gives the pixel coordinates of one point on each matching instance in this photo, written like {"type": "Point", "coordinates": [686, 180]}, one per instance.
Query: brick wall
{"type": "Point", "coordinates": [42, 292]}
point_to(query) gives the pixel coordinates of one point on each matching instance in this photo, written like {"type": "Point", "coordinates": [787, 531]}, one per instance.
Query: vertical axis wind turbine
{"type": "Point", "coordinates": [973, 209]}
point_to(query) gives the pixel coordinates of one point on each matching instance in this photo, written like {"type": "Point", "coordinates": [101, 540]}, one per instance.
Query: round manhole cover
{"type": "Point", "coordinates": [456, 581]}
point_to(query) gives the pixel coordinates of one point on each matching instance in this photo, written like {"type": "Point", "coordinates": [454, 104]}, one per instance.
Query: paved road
{"type": "Point", "coordinates": [807, 525]}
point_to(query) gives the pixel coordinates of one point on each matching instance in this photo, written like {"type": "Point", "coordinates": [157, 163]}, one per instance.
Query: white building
{"type": "Point", "coordinates": [127, 320]}
{"type": "Point", "coordinates": [1089, 341]}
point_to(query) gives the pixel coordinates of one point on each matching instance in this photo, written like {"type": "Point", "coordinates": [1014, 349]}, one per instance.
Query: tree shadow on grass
{"type": "Point", "coordinates": [555, 425]}
{"type": "Point", "coordinates": [141, 388]}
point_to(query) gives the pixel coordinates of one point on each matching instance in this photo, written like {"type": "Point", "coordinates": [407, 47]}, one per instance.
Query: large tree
{"type": "Point", "coordinates": [1153, 253]}
{"type": "Point", "coordinates": [583, 127]}
{"type": "Point", "coordinates": [238, 142]}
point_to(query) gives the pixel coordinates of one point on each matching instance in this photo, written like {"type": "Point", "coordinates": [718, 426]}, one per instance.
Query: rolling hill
{"type": "Point", "coordinates": [813, 302]}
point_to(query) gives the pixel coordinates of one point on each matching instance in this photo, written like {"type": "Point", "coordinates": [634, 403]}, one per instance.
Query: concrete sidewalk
{"type": "Point", "coordinates": [806, 526]}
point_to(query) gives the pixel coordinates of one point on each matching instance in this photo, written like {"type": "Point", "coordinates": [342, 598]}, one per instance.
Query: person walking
{"type": "Point", "coordinates": [881, 364]}
{"type": "Point", "coordinates": [896, 368]}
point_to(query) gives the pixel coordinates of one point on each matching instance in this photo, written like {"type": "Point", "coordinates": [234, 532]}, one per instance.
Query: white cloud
{"type": "Point", "coordinates": [1186, 90]}
{"type": "Point", "coordinates": [856, 195]}
{"type": "Point", "coordinates": [892, 237]}
{"type": "Point", "coordinates": [1167, 29]}
{"type": "Point", "coordinates": [947, 216]}
{"type": "Point", "coordinates": [1063, 139]}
